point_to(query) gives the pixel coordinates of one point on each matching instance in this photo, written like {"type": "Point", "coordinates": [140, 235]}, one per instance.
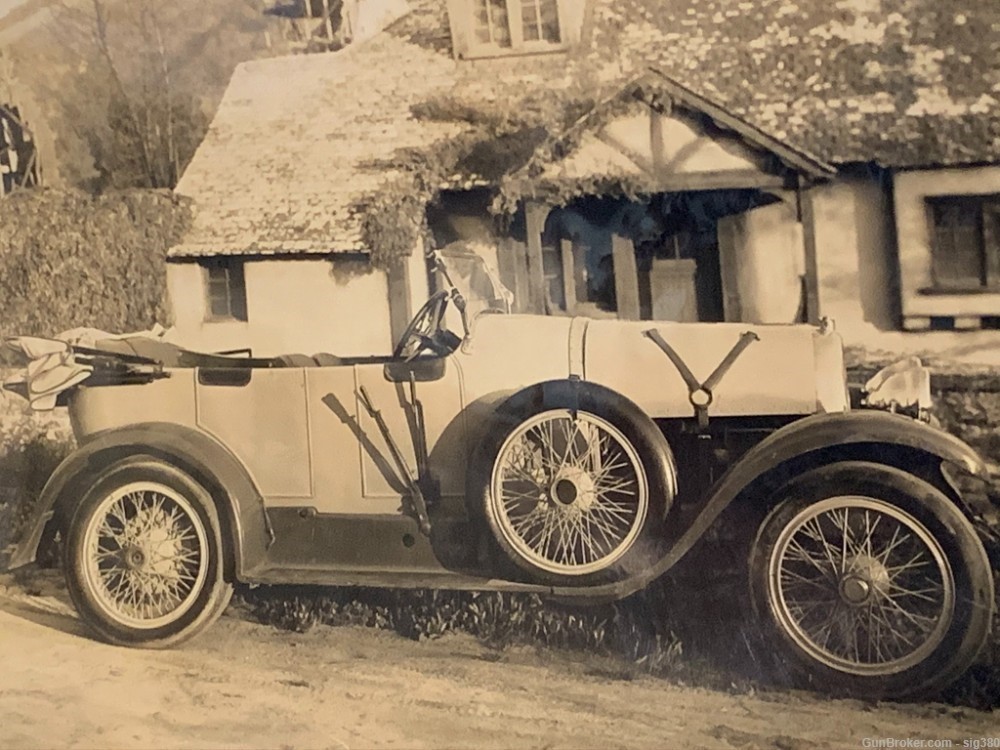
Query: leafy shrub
{"type": "Point", "coordinates": [31, 446]}
{"type": "Point", "coordinates": [499, 620]}
{"type": "Point", "coordinates": [70, 259]}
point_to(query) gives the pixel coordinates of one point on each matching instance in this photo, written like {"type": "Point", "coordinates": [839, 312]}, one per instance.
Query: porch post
{"type": "Point", "coordinates": [400, 298]}
{"type": "Point", "coordinates": [535, 215]}
{"type": "Point", "coordinates": [566, 250]}
{"type": "Point", "coordinates": [512, 257]}
{"type": "Point", "coordinates": [326, 20]}
{"type": "Point", "coordinates": [626, 278]}
{"type": "Point", "coordinates": [807, 218]}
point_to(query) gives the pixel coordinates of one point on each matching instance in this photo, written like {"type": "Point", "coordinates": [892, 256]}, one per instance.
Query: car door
{"type": "Point", "coordinates": [436, 386]}
{"type": "Point", "coordinates": [260, 415]}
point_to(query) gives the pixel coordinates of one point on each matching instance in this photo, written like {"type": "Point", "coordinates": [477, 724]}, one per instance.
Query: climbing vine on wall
{"type": "Point", "coordinates": [491, 140]}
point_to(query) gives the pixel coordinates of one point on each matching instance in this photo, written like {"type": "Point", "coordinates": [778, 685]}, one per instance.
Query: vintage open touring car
{"type": "Point", "coordinates": [576, 458]}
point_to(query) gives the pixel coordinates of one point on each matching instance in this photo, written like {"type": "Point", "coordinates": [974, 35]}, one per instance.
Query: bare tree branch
{"type": "Point", "coordinates": [104, 48]}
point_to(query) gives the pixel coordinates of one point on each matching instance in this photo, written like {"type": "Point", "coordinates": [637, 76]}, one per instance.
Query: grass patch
{"type": "Point", "coordinates": [645, 643]}
{"type": "Point", "coordinates": [693, 630]}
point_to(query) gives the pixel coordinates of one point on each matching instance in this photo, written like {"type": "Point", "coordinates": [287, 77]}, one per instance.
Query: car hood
{"type": "Point", "coordinates": [784, 369]}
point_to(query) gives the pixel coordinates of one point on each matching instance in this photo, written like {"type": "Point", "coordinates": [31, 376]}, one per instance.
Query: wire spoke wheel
{"type": "Point", "coordinates": [861, 585]}
{"type": "Point", "coordinates": [568, 492]}
{"type": "Point", "coordinates": [145, 555]}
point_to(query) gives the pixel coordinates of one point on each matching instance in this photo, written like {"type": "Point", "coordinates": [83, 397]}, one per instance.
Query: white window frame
{"type": "Point", "coordinates": [515, 22]}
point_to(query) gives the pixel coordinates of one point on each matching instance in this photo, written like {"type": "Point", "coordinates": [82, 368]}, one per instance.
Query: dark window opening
{"type": "Point", "coordinates": [676, 245]}
{"type": "Point", "coordinates": [226, 288]}
{"type": "Point", "coordinates": [965, 242]}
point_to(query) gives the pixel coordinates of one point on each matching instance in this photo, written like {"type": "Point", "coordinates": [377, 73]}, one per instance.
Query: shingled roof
{"type": "Point", "coordinates": [300, 143]}
{"type": "Point", "coordinates": [284, 162]}
{"type": "Point", "coordinates": [901, 83]}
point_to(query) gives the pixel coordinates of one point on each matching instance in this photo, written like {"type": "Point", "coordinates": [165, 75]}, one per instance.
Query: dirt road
{"type": "Point", "coordinates": [247, 685]}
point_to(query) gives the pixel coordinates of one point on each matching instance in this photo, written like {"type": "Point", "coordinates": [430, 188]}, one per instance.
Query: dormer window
{"type": "Point", "coordinates": [500, 26]}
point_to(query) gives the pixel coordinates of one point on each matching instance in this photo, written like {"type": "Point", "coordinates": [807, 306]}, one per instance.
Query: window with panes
{"type": "Point", "coordinates": [965, 242]}
{"type": "Point", "coordinates": [225, 289]}
{"type": "Point", "coordinates": [515, 24]}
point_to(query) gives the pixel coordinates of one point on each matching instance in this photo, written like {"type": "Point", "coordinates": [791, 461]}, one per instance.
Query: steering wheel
{"type": "Point", "coordinates": [420, 333]}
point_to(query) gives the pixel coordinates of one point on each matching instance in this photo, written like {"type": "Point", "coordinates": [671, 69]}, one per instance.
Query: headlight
{"type": "Point", "coordinates": [904, 386]}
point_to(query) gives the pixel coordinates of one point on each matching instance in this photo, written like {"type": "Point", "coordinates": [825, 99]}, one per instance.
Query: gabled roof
{"type": "Point", "coordinates": [560, 157]}
{"type": "Point", "coordinates": [291, 147]}
{"type": "Point", "coordinates": [300, 143]}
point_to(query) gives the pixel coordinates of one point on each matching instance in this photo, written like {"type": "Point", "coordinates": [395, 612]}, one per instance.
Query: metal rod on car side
{"type": "Point", "coordinates": [416, 495]}
{"type": "Point", "coordinates": [420, 439]}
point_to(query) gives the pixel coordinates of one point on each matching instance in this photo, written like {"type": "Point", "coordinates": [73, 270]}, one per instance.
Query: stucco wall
{"type": "Point", "coordinates": [863, 278]}
{"type": "Point", "coordinates": [304, 306]}
{"type": "Point", "coordinates": [854, 254]}
{"type": "Point", "coordinates": [762, 253]}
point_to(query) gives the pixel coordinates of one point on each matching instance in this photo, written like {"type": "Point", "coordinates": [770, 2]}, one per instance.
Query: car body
{"type": "Point", "coordinates": [576, 458]}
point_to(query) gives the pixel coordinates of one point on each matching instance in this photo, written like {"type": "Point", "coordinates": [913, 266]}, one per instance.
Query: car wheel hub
{"type": "Point", "coordinates": [134, 558]}
{"type": "Point", "coordinates": [867, 580]}
{"type": "Point", "coordinates": [572, 489]}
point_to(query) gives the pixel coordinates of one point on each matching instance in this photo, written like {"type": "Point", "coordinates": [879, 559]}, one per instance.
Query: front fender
{"type": "Point", "coordinates": [880, 436]}
{"type": "Point", "coordinates": [863, 427]}
{"type": "Point", "coordinates": [875, 435]}
{"type": "Point", "coordinates": [241, 506]}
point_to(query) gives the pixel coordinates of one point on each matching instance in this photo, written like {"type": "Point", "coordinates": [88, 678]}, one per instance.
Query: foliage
{"type": "Point", "coordinates": [491, 139]}
{"type": "Point", "coordinates": [142, 129]}
{"type": "Point", "coordinates": [513, 141]}
{"type": "Point", "coordinates": [499, 620]}
{"type": "Point", "coordinates": [72, 260]}
{"type": "Point", "coordinates": [31, 446]}
{"type": "Point", "coordinates": [127, 100]}
{"type": "Point", "coordinates": [25, 467]}
{"type": "Point", "coordinates": [393, 224]}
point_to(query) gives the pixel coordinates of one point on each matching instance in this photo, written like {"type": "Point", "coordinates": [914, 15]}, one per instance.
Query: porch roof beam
{"type": "Point", "coordinates": [682, 181]}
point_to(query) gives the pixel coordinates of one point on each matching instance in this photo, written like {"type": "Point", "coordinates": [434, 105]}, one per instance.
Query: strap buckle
{"type": "Point", "coordinates": [700, 394]}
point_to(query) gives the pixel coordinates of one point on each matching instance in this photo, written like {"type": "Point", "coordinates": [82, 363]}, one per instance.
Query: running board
{"type": "Point", "coordinates": [388, 579]}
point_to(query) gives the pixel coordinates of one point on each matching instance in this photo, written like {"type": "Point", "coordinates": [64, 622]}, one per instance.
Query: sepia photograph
{"type": "Point", "coordinates": [499, 374]}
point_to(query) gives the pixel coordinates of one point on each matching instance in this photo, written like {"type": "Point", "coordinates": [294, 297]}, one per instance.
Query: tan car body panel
{"type": "Point", "coordinates": [789, 370]}
{"type": "Point", "coordinates": [305, 440]}
{"type": "Point", "coordinates": [775, 375]}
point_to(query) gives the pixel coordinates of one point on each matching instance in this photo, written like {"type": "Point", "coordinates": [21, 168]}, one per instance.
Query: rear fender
{"type": "Point", "coordinates": [240, 504]}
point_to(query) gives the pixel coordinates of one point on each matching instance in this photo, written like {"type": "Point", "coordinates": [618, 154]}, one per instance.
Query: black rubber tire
{"type": "Point", "coordinates": [895, 490]}
{"type": "Point", "coordinates": [655, 457]}
{"type": "Point", "coordinates": [214, 592]}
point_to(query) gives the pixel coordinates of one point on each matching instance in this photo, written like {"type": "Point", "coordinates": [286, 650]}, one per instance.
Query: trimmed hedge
{"type": "Point", "coordinates": [69, 259]}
